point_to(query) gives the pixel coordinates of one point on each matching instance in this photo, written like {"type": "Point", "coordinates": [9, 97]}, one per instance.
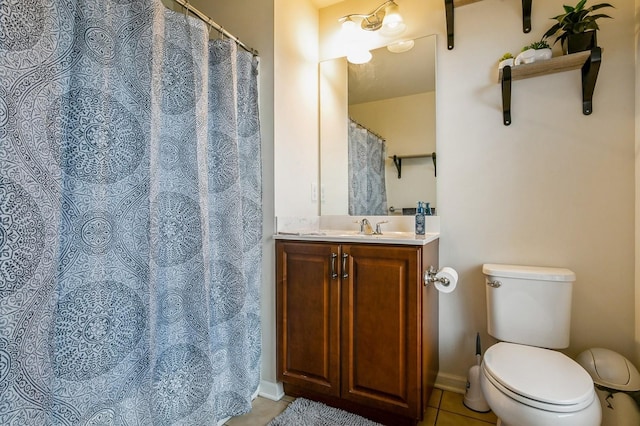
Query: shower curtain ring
{"type": "Point", "coordinates": [186, 8]}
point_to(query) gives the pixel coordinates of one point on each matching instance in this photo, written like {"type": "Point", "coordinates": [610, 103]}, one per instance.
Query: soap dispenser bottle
{"type": "Point", "coordinates": [420, 226]}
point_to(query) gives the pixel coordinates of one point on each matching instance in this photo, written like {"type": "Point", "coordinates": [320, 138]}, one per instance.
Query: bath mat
{"type": "Point", "coordinates": [304, 412]}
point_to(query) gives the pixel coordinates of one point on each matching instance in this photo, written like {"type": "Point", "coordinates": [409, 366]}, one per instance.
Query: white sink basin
{"type": "Point", "coordinates": [386, 234]}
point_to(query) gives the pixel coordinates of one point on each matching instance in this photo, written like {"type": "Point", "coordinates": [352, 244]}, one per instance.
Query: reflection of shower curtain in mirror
{"type": "Point", "coordinates": [367, 189]}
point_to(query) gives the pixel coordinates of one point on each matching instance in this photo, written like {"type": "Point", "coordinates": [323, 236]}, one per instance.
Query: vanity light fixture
{"type": "Point", "coordinates": [359, 56]}
{"type": "Point", "coordinates": [401, 46]}
{"type": "Point", "coordinates": [385, 18]}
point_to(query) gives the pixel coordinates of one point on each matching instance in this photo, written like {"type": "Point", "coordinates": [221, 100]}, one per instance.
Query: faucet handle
{"type": "Point", "coordinates": [378, 228]}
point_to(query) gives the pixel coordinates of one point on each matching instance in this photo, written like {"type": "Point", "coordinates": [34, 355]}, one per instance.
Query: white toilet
{"type": "Point", "coordinates": [524, 381]}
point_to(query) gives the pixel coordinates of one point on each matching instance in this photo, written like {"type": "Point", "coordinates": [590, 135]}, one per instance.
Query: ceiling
{"type": "Point", "coordinates": [324, 3]}
{"type": "Point", "coordinates": [390, 75]}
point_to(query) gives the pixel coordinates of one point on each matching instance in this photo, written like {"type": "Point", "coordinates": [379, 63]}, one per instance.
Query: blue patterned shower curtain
{"type": "Point", "coordinates": [367, 184]}
{"type": "Point", "coordinates": [130, 217]}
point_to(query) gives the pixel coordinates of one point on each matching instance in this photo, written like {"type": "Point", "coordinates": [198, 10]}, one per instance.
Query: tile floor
{"type": "Point", "coordinates": [445, 409]}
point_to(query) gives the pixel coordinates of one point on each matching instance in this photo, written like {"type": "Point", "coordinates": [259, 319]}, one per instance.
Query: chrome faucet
{"type": "Point", "coordinates": [365, 227]}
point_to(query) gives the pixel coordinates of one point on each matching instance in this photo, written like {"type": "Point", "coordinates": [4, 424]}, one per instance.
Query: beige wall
{"type": "Point", "coordinates": [296, 108]}
{"type": "Point", "coordinates": [334, 131]}
{"type": "Point", "coordinates": [637, 145]}
{"type": "Point", "coordinates": [555, 188]}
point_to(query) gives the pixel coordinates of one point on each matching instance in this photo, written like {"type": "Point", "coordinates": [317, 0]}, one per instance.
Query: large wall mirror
{"type": "Point", "coordinates": [370, 113]}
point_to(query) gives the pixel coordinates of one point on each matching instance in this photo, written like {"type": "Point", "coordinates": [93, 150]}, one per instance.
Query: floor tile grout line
{"type": "Point", "coordinates": [465, 416]}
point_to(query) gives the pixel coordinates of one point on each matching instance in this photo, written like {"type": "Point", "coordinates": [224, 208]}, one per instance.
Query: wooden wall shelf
{"type": "Point", "coordinates": [588, 61]}
{"type": "Point", "coordinates": [397, 160]}
{"type": "Point", "coordinates": [553, 65]}
{"type": "Point", "coordinates": [450, 5]}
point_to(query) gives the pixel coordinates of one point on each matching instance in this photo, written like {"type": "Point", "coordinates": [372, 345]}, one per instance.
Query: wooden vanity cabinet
{"type": "Point", "coordinates": [356, 327]}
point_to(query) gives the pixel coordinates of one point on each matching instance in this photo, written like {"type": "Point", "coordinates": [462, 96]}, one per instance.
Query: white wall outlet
{"type": "Point", "coordinates": [314, 192]}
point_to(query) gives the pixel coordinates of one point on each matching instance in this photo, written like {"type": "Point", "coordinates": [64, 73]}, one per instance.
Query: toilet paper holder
{"type": "Point", "coordinates": [430, 277]}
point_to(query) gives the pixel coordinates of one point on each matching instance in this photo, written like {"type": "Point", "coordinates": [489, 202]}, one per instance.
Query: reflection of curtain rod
{"type": "Point", "coordinates": [212, 23]}
{"type": "Point", "coordinates": [367, 129]}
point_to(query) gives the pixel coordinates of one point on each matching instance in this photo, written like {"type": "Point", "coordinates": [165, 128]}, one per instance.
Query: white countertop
{"type": "Point", "coordinates": [344, 229]}
{"type": "Point", "coordinates": [340, 236]}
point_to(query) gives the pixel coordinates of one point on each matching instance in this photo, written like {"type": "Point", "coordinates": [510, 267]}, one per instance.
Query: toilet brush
{"type": "Point", "coordinates": [473, 397]}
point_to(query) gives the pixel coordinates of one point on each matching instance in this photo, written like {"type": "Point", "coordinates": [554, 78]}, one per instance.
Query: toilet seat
{"type": "Point", "coordinates": [541, 378]}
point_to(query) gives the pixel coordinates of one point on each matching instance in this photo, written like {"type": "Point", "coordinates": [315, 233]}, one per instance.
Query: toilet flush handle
{"type": "Point", "coordinates": [494, 283]}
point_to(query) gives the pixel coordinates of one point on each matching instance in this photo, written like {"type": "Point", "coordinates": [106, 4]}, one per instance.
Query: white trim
{"type": "Point", "coordinates": [270, 390]}
{"type": "Point", "coordinates": [451, 382]}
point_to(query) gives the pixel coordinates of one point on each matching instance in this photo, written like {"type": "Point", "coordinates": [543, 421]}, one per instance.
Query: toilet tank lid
{"type": "Point", "coordinates": [528, 272]}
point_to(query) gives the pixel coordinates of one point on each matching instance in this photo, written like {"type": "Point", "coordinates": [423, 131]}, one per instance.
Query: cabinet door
{"type": "Point", "coordinates": [381, 339]}
{"type": "Point", "coordinates": [308, 315]}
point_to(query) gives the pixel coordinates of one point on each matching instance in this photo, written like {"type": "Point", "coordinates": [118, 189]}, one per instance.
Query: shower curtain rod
{"type": "Point", "coordinates": [212, 23]}
{"type": "Point", "coordinates": [367, 129]}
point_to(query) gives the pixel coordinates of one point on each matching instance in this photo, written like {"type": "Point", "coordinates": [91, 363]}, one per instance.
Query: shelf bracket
{"type": "Point", "coordinates": [526, 16]}
{"type": "Point", "coordinates": [448, 8]}
{"type": "Point", "coordinates": [589, 76]}
{"type": "Point", "coordinates": [435, 167]}
{"type": "Point", "coordinates": [398, 162]}
{"type": "Point", "coordinates": [506, 95]}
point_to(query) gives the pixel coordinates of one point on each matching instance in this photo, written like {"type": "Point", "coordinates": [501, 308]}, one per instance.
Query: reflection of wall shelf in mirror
{"type": "Point", "coordinates": [449, 5]}
{"type": "Point", "coordinates": [589, 61]}
{"type": "Point", "coordinates": [397, 160]}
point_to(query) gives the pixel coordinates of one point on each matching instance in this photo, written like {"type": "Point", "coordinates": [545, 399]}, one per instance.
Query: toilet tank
{"type": "Point", "coordinates": [530, 305]}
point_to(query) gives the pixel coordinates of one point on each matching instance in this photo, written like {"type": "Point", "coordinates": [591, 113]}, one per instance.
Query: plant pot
{"type": "Point", "coordinates": [505, 62]}
{"type": "Point", "coordinates": [581, 42]}
{"type": "Point", "coordinates": [530, 56]}
{"type": "Point", "coordinates": [543, 54]}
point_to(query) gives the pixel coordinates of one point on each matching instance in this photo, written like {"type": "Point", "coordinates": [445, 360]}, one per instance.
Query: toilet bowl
{"type": "Point", "coordinates": [524, 380]}
{"type": "Point", "coordinates": [530, 386]}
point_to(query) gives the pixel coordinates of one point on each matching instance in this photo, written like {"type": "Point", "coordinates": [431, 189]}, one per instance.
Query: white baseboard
{"type": "Point", "coordinates": [271, 390]}
{"type": "Point", "coordinates": [444, 381]}
{"type": "Point", "coordinates": [451, 382]}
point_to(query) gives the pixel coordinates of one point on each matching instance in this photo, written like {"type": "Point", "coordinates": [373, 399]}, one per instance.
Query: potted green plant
{"type": "Point", "coordinates": [506, 59]}
{"type": "Point", "coordinates": [537, 45]}
{"type": "Point", "coordinates": [536, 51]}
{"type": "Point", "coordinates": [577, 26]}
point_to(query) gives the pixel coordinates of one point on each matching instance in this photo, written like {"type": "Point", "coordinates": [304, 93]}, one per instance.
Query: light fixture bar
{"type": "Point", "coordinates": [371, 21]}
